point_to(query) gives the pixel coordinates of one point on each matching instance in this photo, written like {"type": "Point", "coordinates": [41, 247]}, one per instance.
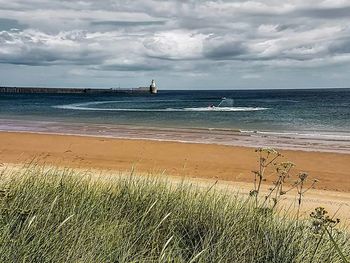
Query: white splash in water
{"type": "Point", "coordinates": [226, 102]}
{"type": "Point", "coordinates": [87, 107]}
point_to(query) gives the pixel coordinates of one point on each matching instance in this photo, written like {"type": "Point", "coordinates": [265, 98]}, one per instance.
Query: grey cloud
{"type": "Point", "coordinates": [40, 57]}
{"type": "Point", "coordinates": [132, 67]}
{"type": "Point", "coordinates": [5, 36]}
{"type": "Point", "coordinates": [34, 49]}
{"type": "Point", "coordinates": [127, 23]}
{"type": "Point", "coordinates": [8, 24]}
{"type": "Point", "coordinates": [225, 51]}
{"type": "Point", "coordinates": [324, 13]}
{"type": "Point", "coordinates": [340, 47]}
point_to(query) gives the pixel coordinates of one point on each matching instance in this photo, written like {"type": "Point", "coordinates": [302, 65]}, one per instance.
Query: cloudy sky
{"type": "Point", "coordinates": [182, 44]}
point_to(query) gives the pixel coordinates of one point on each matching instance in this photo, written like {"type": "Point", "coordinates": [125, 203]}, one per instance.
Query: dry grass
{"type": "Point", "coordinates": [50, 215]}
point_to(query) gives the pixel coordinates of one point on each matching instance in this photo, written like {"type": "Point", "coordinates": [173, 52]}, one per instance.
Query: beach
{"type": "Point", "coordinates": [194, 160]}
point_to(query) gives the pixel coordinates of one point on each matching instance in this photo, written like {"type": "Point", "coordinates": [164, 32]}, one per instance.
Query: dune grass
{"type": "Point", "coordinates": [49, 215]}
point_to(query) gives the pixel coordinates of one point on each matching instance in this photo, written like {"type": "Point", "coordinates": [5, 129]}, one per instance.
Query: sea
{"type": "Point", "coordinates": [305, 114]}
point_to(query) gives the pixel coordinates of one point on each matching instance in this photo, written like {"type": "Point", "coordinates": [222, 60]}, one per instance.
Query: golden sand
{"type": "Point", "coordinates": [207, 161]}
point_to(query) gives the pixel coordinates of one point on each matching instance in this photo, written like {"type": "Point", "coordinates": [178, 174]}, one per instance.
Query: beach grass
{"type": "Point", "coordinates": [53, 215]}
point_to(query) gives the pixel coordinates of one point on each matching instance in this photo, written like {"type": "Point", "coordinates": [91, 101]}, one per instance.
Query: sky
{"type": "Point", "coordinates": [181, 44]}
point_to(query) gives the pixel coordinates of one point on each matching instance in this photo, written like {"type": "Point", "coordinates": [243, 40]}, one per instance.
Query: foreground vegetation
{"type": "Point", "coordinates": [49, 215]}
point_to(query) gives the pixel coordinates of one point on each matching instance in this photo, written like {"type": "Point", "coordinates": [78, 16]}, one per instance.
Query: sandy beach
{"type": "Point", "coordinates": [206, 161]}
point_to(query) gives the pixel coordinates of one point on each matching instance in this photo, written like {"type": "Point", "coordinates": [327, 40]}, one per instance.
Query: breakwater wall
{"type": "Point", "coordinates": [70, 90]}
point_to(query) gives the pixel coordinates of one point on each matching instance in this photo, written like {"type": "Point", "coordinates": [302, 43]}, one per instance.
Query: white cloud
{"type": "Point", "coordinates": [176, 44]}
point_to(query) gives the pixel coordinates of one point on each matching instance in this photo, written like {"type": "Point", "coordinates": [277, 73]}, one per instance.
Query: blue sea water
{"type": "Point", "coordinates": [309, 111]}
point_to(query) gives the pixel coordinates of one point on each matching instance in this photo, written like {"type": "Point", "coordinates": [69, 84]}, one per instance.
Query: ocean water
{"type": "Point", "coordinates": [312, 112]}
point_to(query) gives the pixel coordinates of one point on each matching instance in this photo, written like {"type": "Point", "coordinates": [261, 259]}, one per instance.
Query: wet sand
{"type": "Point", "coordinates": [192, 160]}
{"type": "Point", "coordinates": [305, 141]}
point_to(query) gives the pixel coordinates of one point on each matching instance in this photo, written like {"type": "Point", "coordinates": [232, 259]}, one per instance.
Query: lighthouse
{"type": "Point", "coordinates": [153, 88]}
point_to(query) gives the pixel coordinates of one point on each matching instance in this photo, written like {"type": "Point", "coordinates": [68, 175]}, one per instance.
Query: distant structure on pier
{"type": "Point", "coordinates": [153, 88]}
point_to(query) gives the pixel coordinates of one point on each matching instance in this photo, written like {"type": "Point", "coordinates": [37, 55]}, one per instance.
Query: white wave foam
{"type": "Point", "coordinates": [225, 109]}
{"type": "Point", "coordinates": [207, 109]}
{"type": "Point", "coordinates": [316, 135]}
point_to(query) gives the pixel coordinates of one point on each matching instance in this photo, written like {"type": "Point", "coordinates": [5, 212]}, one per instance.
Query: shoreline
{"type": "Point", "coordinates": [189, 160]}
{"type": "Point", "coordinates": [308, 142]}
